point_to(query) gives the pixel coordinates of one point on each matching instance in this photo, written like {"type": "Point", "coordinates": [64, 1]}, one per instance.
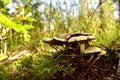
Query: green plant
{"type": "Point", "coordinates": [3, 72]}
{"type": "Point", "coordinates": [43, 67]}
{"type": "Point", "coordinates": [13, 25]}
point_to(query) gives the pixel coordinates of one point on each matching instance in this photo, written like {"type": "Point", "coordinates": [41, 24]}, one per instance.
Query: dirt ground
{"type": "Point", "coordinates": [106, 68]}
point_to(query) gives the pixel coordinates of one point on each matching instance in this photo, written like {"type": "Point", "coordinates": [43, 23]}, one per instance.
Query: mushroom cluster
{"type": "Point", "coordinates": [78, 42]}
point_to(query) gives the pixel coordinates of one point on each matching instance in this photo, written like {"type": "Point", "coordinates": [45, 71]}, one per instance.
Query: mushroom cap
{"type": "Point", "coordinates": [77, 34]}
{"type": "Point", "coordinates": [81, 38]}
{"type": "Point", "coordinates": [92, 50]}
{"type": "Point", "coordinates": [102, 53]}
{"type": "Point", "coordinates": [69, 38]}
{"type": "Point", "coordinates": [65, 36]}
{"type": "Point", "coordinates": [69, 35]}
{"type": "Point", "coordinates": [54, 41]}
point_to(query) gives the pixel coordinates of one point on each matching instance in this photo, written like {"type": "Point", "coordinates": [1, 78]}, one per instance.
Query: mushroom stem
{"type": "Point", "coordinates": [101, 54]}
{"type": "Point", "coordinates": [91, 58]}
{"type": "Point", "coordinates": [82, 48]}
{"type": "Point", "coordinates": [96, 59]}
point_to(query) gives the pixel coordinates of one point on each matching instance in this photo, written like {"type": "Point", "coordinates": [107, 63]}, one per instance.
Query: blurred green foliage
{"type": "Point", "coordinates": [13, 25]}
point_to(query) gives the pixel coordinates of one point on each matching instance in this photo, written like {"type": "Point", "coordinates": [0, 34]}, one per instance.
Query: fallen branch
{"type": "Point", "coordinates": [13, 58]}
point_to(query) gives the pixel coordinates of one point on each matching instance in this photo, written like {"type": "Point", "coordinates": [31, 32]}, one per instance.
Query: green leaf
{"type": "Point", "coordinates": [11, 24]}
{"type": "Point", "coordinates": [27, 27]}
{"type": "Point", "coordinates": [6, 2]}
{"type": "Point", "coordinates": [27, 37]}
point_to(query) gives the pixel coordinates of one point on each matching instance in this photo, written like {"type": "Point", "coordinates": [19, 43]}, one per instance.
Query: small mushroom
{"type": "Point", "coordinates": [94, 51]}
{"type": "Point", "coordinates": [55, 41]}
{"type": "Point", "coordinates": [102, 53]}
{"type": "Point", "coordinates": [81, 40]}
{"type": "Point", "coordinates": [99, 55]}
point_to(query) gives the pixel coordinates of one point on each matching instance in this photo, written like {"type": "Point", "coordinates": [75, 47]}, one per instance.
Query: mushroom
{"type": "Point", "coordinates": [91, 50]}
{"type": "Point", "coordinates": [77, 34]}
{"type": "Point", "coordinates": [55, 41]}
{"type": "Point", "coordinates": [94, 51]}
{"type": "Point", "coordinates": [69, 35]}
{"type": "Point", "coordinates": [99, 55]}
{"type": "Point", "coordinates": [65, 36]}
{"type": "Point", "coordinates": [67, 39]}
{"type": "Point", "coordinates": [81, 40]}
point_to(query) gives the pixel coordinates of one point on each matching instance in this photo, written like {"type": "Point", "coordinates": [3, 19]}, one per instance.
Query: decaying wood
{"type": "Point", "coordinates": [13, 58]}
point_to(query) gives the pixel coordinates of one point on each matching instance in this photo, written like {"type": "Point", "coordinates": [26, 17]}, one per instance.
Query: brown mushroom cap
{"type": "Point", "coordinates": [92, 50]}
{"type": "Point", "coordinates": [55, 41]}
{"type": "Point", "coordinates": [77, 34]}
{"type": "Point", "coordinates": [81, 39]}
{"type": "Point", "coordinates": [69, 35]}
{"type": "Point", "coordinates": [69, 38]}
{"type": "Point", "coordinates": [65, 36]}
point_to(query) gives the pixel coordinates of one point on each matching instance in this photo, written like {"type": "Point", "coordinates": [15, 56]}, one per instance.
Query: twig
{"type": "Point", "coordinates": [13, 58]}
{"type": "Point", "coordinates": [104, 70]}
{"type": "Point", "coordinates": [17, 55]}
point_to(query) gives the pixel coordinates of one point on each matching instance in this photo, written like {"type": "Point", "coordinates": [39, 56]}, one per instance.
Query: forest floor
{"type": "Point", "coordinates": [118, 70]}
{"type": "Point", "coordinates": [101, 70]}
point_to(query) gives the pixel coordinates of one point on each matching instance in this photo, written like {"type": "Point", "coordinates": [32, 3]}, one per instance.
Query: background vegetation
{"type": "Point", "coordinates": [24, 30]}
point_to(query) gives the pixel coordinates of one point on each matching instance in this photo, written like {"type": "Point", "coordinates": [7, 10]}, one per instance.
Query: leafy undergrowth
{"type": "Point", "coordinates": [28, 67]}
